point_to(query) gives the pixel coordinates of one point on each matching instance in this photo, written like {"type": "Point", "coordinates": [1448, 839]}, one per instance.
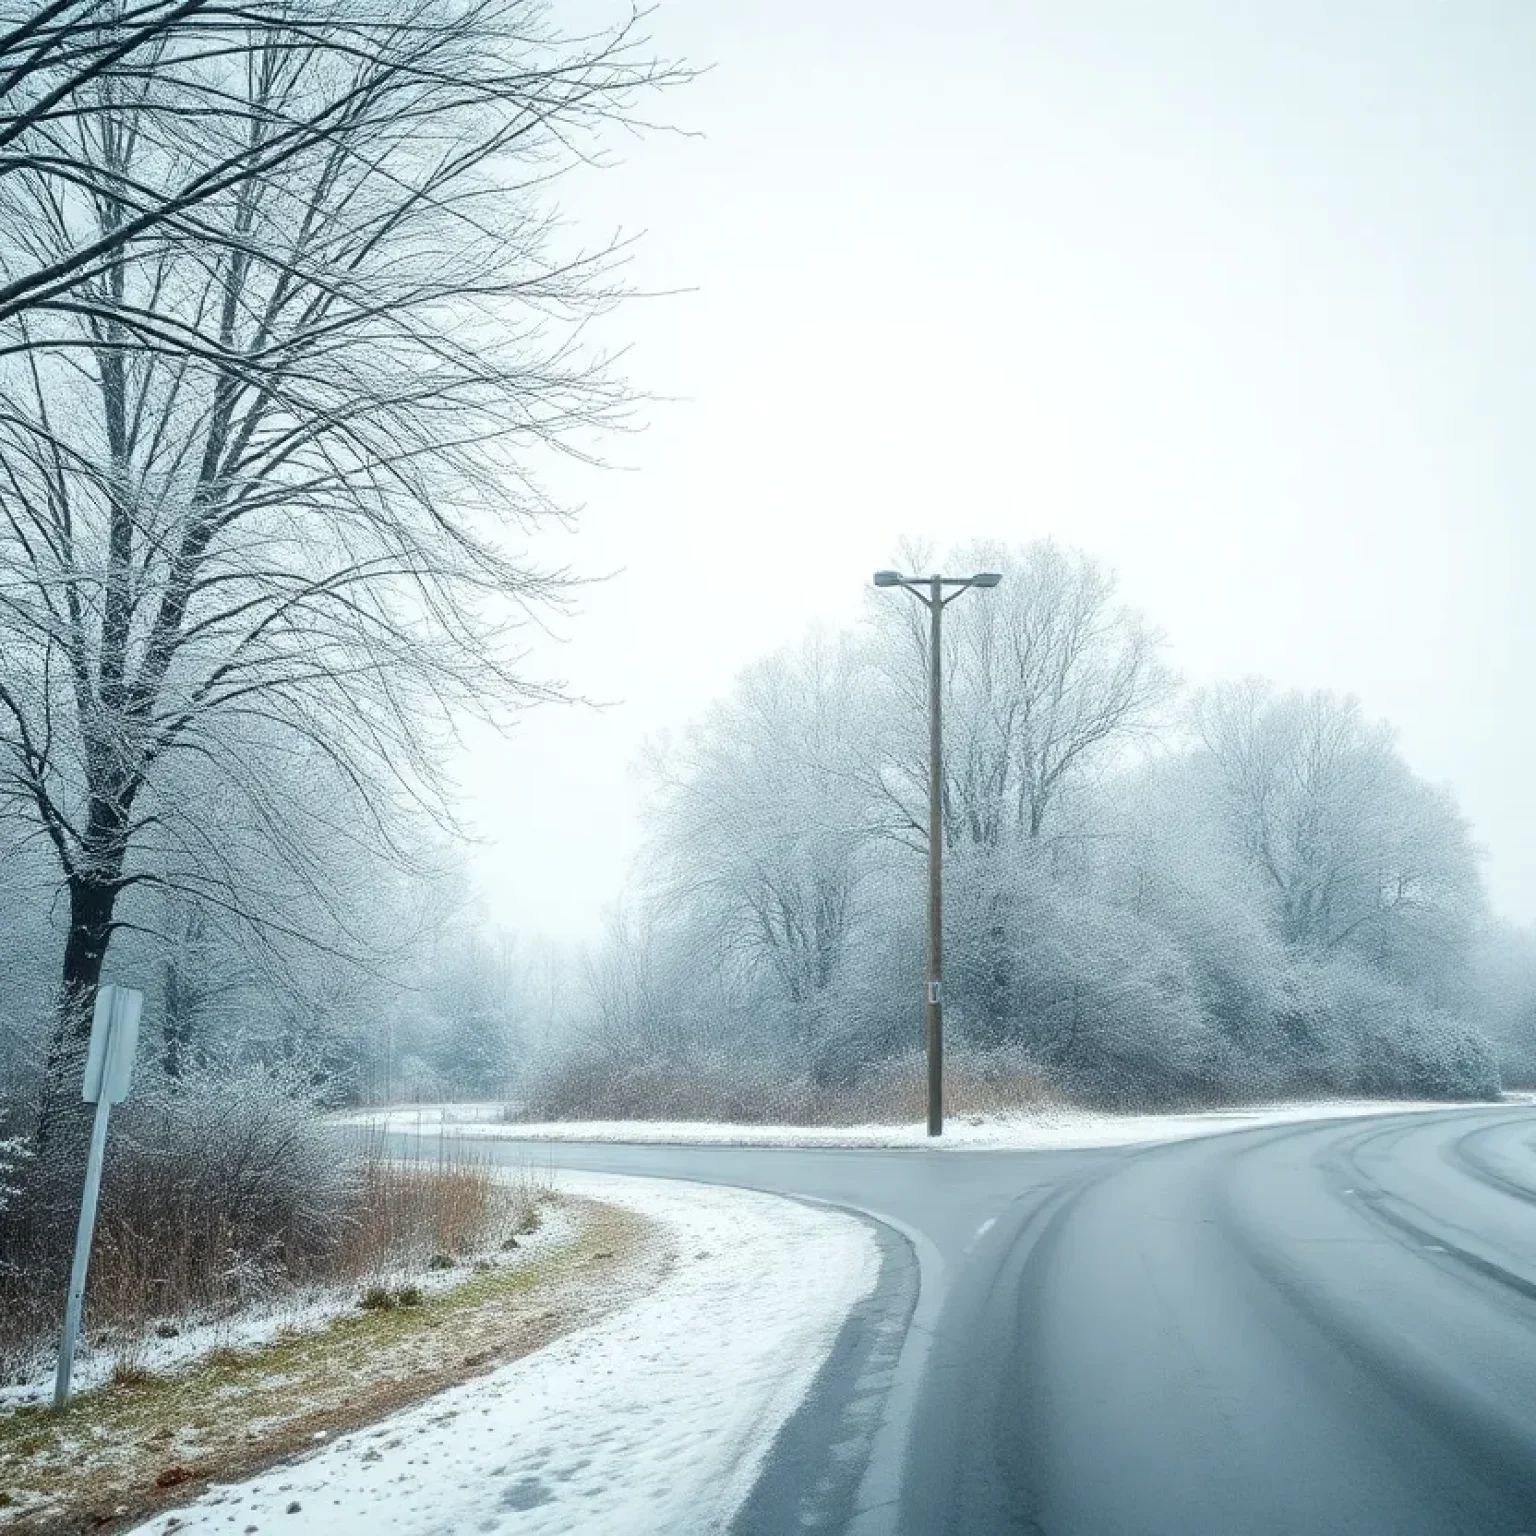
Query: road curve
{"type": "Point", "coordinates": [1296, 1331]}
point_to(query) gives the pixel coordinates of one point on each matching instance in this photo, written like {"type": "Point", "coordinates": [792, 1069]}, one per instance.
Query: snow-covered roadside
{"type": "Point", "coordinates": [303, 1311]}
{"type": "Point", "coordinates": [655, 1419]}
{"type": "Point", "coordinates": [1041, 1130]}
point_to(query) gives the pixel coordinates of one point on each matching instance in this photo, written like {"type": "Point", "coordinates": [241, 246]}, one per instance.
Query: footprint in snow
{"type": "Point", "coordinates": [525, 1493]}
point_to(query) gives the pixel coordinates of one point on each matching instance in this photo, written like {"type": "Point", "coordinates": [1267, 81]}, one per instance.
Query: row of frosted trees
{"type": "Point", "coordinates": [1155, 896]}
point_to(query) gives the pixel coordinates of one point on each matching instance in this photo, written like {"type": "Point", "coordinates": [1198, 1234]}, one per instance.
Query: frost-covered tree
{"type": "Point", "coordinates": [1048, 678]}
{"type": "Point", "coordinates": [1102, 999]}
{"type": "Point", "coordinates": [1354, 852]}
{"type": "Point", "coordinates": [30, 934]}
{"type": "Point", "coordinates": [474, 1008]}
{"type": "Point", "coordinates": [265, 473]}
{"type": "Point", "coordinates": [765, 824]}
{"type": "Point", "coordinates": [1274, 904]}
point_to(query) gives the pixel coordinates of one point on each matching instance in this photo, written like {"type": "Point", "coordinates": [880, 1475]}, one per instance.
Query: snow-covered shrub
{"type": "Point", "coordinates": [229, 1178]}
{"type": "Point", "coordinates": [1101, 1000]}
{"type": "Point", "coordinates": [1348, 1029]}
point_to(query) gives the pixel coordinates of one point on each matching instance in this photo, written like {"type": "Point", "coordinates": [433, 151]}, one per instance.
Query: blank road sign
{"type": "Point", "coordinates": [114, 1043]}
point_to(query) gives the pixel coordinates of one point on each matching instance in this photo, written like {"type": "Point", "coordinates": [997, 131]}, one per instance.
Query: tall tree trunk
{"type": "Point", "coordinates": [85, 950]}
{"type": "Point", "coordinates": [63, 1132]}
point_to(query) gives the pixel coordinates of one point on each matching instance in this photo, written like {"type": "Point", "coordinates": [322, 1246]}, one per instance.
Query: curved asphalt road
{"type": "Point", "coordinates": [1309, 1329]}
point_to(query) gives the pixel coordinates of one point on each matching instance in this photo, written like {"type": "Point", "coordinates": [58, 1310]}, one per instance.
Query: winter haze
{"type": "Point", "coordinates": [1110, 1112]}
{"type": "Point", "coordinates": [1235, 299]}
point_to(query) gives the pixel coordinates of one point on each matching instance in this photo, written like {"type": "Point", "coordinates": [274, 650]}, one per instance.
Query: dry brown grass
{"type": "Point", "coordinates": [891, 1092]}
{"type": "Point", "coordinates": [452, 1205]}
{"type": "Point", "coordinates": [896, 1092]}
{"type": "Point", "coordinates": [168, 1250]}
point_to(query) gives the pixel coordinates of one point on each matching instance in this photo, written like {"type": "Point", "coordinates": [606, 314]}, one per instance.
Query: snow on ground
{"type": "Point", "coordinates": [655, 1419]}
{"type": "Point", "coordinates": [1038, 1130]}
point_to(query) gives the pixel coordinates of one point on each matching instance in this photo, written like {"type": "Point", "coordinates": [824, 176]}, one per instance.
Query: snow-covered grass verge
{"type": "Point", "coordinates": [422, 1225]}
{"type": "Point", "coordinates": [1057, 1129]}
{"type": "Point", "coordinates": [219, 1215]}
{"type": "Point", "coordinates": [177, 1346]}
{"type": "Point", "coordinates": [121, 1447]}
{"type": "Point", "coordinates": [655, 1419]}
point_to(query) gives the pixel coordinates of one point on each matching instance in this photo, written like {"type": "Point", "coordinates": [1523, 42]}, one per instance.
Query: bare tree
{"type": "Point", "coordinates": [766, 822]}
{"type": "Point", "coordinates": [475, 1006]}
{"type": "Point", "coordinates": [632, 1014]}
{"type": "Point", "coordinates": [58, 64]}
{"type": "Point", "coordinates": [1046, 681]}
{"type": "Point", "coordinates": [277, 943]}
{"type": "Point", "coordinates": [70, 68]}
{"type": "Point", "coordinates": [265, 479]}
{"type": "Point", "coordinates": [1355, 852]}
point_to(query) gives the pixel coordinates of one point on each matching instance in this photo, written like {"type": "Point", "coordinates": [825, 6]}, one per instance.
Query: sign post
{"type": "Point", "coordinates": [108, 1073]}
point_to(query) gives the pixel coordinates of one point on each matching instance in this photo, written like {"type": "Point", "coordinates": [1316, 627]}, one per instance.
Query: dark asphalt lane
{"type": "Point", "coordinates": [1325, 1329]}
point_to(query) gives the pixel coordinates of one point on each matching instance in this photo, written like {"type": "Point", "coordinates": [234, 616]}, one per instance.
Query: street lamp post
{"type": "Point", "coordinates": [929, 590]}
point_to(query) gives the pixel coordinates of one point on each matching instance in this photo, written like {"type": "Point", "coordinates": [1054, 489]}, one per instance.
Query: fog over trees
{"type": "Point", "coordinates": [287, 326]}
{"type": "Point", "coordinates": [298, 351]}
{"type": "Point", "coordinates": [1154, 896]}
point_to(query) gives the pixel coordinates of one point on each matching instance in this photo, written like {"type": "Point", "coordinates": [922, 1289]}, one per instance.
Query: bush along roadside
{"type": "Point", "coordinates": [230, 1203]}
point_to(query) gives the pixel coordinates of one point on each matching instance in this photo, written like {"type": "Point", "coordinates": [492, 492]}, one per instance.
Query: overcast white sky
{"type": "Point", "coordinates": [1239, 297]}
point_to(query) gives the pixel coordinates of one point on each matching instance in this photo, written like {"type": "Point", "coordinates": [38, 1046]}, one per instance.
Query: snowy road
{"type": "Point", "coordinates": [1304, 1329]}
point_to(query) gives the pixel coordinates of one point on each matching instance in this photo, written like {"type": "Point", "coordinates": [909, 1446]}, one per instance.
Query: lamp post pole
{"type": "Point", "coordinates": [933, 1010]}
{"type": "Point", "coordinates": [933, 993]}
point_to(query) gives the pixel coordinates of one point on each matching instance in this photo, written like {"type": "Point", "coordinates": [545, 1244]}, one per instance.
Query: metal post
{"type": "Point", "coordinates": [930, 590]}
{"type": "Point", "coordinates": [83, 1235]}
{"type": "Point", "coordinates": [935, 1000]}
